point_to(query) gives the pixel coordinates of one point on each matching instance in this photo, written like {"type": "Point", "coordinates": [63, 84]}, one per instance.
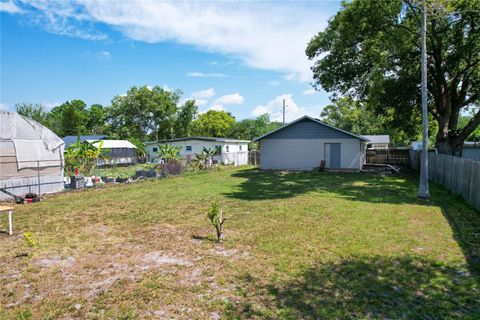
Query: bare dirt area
{"type": "Point", "coordinates": [162, 258]}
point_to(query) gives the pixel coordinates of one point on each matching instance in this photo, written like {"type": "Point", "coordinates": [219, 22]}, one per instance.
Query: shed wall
{"type": "Point", "coordinates": [306, 154]}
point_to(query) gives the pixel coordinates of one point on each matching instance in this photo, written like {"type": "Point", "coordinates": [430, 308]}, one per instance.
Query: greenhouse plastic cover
{"type": "Point", "coordinates": [33, 142]}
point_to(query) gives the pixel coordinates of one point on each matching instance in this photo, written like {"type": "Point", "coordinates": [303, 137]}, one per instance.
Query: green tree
{"type": "Point", "coordinates": [212, 124]}
{"type": "Point", "coordinates": [69, 118]}
{"type": "Point", "coordinates": [463, 121]}
{"type": "Point", "coordinates": [356, 117]}
{"type": "Point", "coordinates": [183, 122]}
{"type": "Point", "coordinates": [97, 115]}
{"type": "Point", "coordinates": [248, 129]}
{"type": "Point", "coordinates": [148, 113]}
{"type": "Point", "coordinates": [370, 50]}
{"type": "Point", "coordinates": [36, 112]}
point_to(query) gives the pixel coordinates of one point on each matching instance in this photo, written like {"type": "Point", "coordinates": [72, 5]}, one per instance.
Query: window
{"type": "Point", "coordinates": [155, 149]}
{"type": "Point", "coordinates": [188, 148]}
{"type": "Point", "coordinates": [240, 147]}
{"type": "Point", "coordinates": [218, 149]}
{"type": "Point", "coordinates": [226, 149]}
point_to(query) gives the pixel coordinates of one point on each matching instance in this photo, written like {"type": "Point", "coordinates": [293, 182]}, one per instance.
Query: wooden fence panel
{"type": "Point", "coordinates": [254, 157]}
{"type": "Point", "coordinates": [460, 176]}
{"type": "Point", "coordinates": [388, 156]}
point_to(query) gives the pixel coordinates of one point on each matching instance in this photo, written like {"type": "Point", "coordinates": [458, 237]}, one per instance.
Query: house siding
{"type": "Point", "coordinates": [306, 154]}
{"type": "Point", "coordinates": [233, 155]}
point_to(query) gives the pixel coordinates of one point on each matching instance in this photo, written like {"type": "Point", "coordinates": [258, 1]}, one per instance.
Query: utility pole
{"type": "Point", "coordinates": [423, 187]}
{"type": "Point", "coordinates": [283, 111]}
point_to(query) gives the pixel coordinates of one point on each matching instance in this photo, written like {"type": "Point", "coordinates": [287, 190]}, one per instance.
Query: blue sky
{"type": "Point", "coordinates": [244, 57]}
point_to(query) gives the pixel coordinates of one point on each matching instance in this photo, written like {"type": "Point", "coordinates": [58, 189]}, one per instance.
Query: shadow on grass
{"type": "Point", "coordinates": [267, 185]}
{"type": "Point", "coordinates": [465, 225]}
{"type": "Point", "coordinates": [463, 218]}
{"type": "Point", "coordinates": [367, 288]}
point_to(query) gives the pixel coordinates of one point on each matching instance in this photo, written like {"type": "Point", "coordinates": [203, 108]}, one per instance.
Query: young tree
{"type": "Point", "coordinates": [371, 50]}
{"type": "Point", "coordinates": [215, 215]}
{"type": "Point", "coordinates": [212, 124]}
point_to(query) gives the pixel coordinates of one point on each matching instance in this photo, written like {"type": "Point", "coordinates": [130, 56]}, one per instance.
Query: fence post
{"type": "Point", "coordinates": [38, 177]}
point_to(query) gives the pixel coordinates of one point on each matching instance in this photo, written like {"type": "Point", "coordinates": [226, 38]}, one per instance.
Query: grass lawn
{"type": "Point", "coordinates": [298, 246]}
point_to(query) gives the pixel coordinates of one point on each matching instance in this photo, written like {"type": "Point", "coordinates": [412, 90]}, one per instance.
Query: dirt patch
{"type": "Point", "coordinates": [55, 261]}
{"type": "Point", "coordinates": [158, 258]}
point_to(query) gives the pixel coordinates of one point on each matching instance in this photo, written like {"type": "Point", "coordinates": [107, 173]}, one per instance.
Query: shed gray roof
{"type": "Point", "coordinates": [316, 121]}
{"type": "Point", "coordinates": [377, 138]}
{"type": "Point", "coordinates": [72, 139]}
{"type": "Point", "coordinates": [213, 139]}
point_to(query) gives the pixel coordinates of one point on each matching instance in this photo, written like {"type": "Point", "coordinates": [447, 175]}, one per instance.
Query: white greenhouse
{"type": "Point", "coordinates": [31, 157]}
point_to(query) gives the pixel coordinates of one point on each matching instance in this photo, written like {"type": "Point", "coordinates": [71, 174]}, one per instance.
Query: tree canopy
{"type": "Point", "coordinates": [212, 124]}
{"type": "Point", "coordinates": [371, 51]}
{"type": "Point", "coordinates": [147, 112]}
{"type": "Point", "coordinates": [248, 129]}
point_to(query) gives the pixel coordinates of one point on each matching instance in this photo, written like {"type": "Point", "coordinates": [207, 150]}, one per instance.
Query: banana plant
{"type": "Point", "coordinates": [169, 152]}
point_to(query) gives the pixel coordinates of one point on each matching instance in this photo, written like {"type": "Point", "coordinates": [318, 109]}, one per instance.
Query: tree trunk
{"type": "Point", "coordinates": [449, 145]}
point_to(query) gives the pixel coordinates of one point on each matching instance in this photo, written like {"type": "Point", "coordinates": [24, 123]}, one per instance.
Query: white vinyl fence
{"type": "Point", "coordinates": [460, 176]}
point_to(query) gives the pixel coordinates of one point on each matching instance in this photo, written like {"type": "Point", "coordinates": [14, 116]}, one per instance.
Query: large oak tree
{"type": "Point", "coordinates": [371, 50]}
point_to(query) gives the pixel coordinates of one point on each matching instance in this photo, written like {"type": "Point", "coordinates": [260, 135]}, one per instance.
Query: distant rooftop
{"type": "Point", "coordinates": [72, 139]}
{"type": "Point", "coordinates": [112, 144]}
{"type": "Point", "coordinates": [212, 139]}
{"type": "Point", "coordinates": [377, 138]}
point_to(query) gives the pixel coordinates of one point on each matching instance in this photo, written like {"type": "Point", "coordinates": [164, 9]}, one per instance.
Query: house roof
{"type": "Point", "coordinates": [112, 144]}
{"type": "Point", "coordinates": [72, 139]}
{"type": "Point", "coordinates": [311, 119]}
{"type": "Point", "coordinates": [212, 139]}
{"type": "Point", "coordinates": [377, 138]}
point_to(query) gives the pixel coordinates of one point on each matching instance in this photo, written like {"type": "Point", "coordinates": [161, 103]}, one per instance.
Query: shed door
{"type": "Point", "coordinates": [332, 155]}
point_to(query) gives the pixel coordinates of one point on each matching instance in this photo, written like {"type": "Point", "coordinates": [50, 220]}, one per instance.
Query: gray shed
{"type": "Point", "coordinates": [305, 142]}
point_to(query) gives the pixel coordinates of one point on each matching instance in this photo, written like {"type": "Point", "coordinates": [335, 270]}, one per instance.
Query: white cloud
{"type": "Point", "coordinates": [9, 7]}
{"type": "Point", "coordinates": [292, 111]}
{"type": "Point", "coordinates": [66, 18]}
{"type": "Point", "coordinates": [234, 98]}
{"type": "Point", "coordinates": [102, 55]}
{"type": "Point", "coordinates": [4, 106]}
{"type": "Point", "coordinates": [217, 107]}
{"type": "Point", "coordinates": [205, 75]}
{"type": "Point", "coordinates": [214, 107]}
{"type": "Point", "coordinates": [264, 35]}
{"type": "Point", "coordinates": [201, 102]}
{"type": "Point", "coordinates": [203, 94]}
{"type": "Point", "coordinates": [309, 92]}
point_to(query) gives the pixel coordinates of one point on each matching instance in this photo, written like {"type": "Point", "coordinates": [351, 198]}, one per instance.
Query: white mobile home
{"type": "Point", "coordinates": [230, 151]}
{"type": "Point", "coordinates": [121, 152]}
{"type": "Point", "coordinates": [306, 142]}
